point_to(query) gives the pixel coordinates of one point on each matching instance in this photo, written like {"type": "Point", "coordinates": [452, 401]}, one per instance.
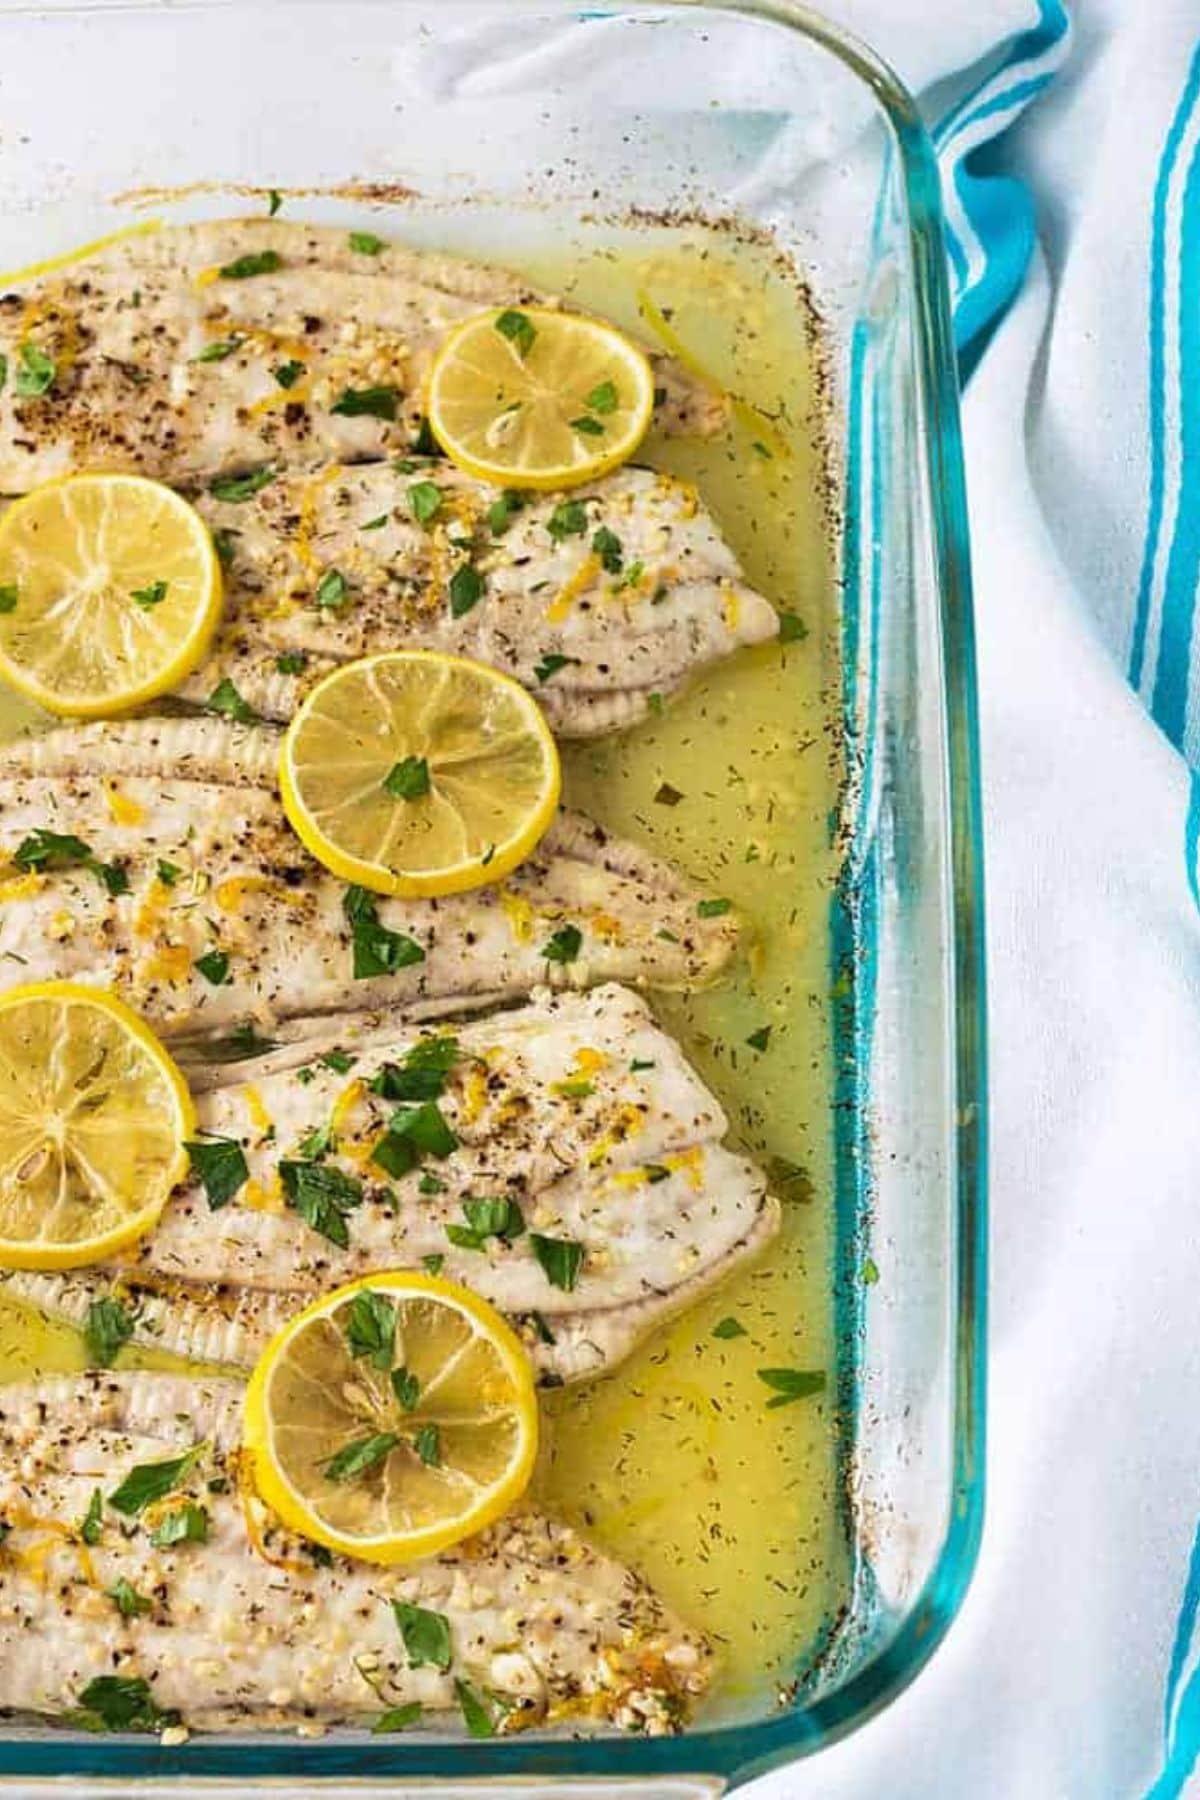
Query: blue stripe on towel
{"type": "Point", "coordinates": [1158, 239]}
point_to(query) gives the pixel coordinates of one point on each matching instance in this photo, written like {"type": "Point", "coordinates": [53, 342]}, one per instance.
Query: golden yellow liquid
{"type": "Point", "coordinates": [675, 1462]}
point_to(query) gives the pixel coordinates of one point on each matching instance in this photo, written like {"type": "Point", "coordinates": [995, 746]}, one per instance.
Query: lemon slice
{"type": "Point", "coordinates": [418, 773]}
{"type": "Point", "coordinates": [110, 590]}
{"type": "Point", "coordinates": [392, 1418]}
{"type": "Point", "coordinates": [534, 398]}
{"type": "Point", "coordinates": [93, 1117]}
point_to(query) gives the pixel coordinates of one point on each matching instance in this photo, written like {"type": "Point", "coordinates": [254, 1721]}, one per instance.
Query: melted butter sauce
{"type": "Point", "coordinates": [675, 1462]}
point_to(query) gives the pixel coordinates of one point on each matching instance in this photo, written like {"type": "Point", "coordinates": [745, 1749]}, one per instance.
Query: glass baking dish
{"type": "Point", "coordinates": [475, 125]}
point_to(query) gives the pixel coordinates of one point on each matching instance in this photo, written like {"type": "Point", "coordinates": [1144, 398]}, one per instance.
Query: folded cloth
{"type": "Point", "coordinates": [1073, 1672]}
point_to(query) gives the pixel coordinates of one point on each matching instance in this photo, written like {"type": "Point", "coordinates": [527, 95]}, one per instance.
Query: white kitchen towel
{"type": "Point", "coordinates": [1073, 1672]}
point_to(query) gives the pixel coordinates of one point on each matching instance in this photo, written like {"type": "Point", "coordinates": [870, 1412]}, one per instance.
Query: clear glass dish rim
{"type": "Point", "coordinates": [739, 1752]}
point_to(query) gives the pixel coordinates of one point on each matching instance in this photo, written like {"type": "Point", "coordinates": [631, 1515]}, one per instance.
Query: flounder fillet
{"type": "Point", "coordinates": [577, 1111]}
{"type": "Point", "coordinates": [221, 346]}
{"type": "Point", "coordinates": [596, 600]}
{"type": "Point", "coordinates": [186, 892]}
{"type": "Point", "coordinates": [248, 1628]}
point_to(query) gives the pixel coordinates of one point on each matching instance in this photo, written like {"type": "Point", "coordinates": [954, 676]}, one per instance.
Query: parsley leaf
{"type": "Point", "coordinates": [35, 372]}
{"type": "Point", "coordinates": [551, 663]}
{"type": "Point", "coordinates": [274, 202]}
{"type": "Point", "coordinates": [499, 514]}
{"type": "Point", "coordinates": [569, 519]}
{"type": "Point", "coordinates": [479, 1709]}
{"type": "Point", "coordinates": [424, 501]}
{"type": "Point", "coordinates": [398, 1718]}
{"type": "Point", "coordinates": [226, 701]}
{"type": "Point", "coordinates": [560, 1258]}
{"type": "Point", "coordinates": [224, 545]}
{"type": "Point", "coordinates": [366, 243]}
{"type": "Point", "coordinates": [120, 1703]}
{"type": "Point", "coordinates": [92, 1523]}
{"type": "Point", "coordinates": [408, 779]}
{"type": "Point", "coordinates": [499, 1218]}
{"type": "Point", "coordinates": [758, 1040]}
{"type": "Point", "coordinates": [360, 1456]}
{"type": "Point", "coordinates": [466, 589]}
{"type": "Point", "coordinates": [603, 398]}
{"type": "Point", "coordinates": [520, 330]}
{"type": "Point", "coordinates": [214, 966]}
{"type": "Point", "coordinates": [607, 546]}
{"type": "Point", "coordinates": [332, 588]}
{"type": "Point", "coordinates": [371, 1329]}
{"type": "Point", "coordinates": [219, 1165]}
{"type": "Point", "coordinates": [713, 909]}
{"type": "Point", "coordinates": [421, 1075]}
{"type": "Point", "coordinates": [8, 597]}
{"type": "Point", "coordinates": [371, 402]}
{"type": "Point", "coordinates": [426, 1636]}
{"type": "Point", "coordinates": [129, 1602]}
{"type": "Point", "coordinates": [218, 351]}
{"type": "Point", "coordinates": [377, 951]}
{"type": "Point", "coordinates": [564, 946]}
{"type": "Point", "coordinates": [258, 262]}
{"type": "Point", "coordinates": [433, 1265]}
{"type": "Point", "coordinates": [427, 1443]}
{"type": "Point", "coordinates": [146, 1482]}
{"type": "Point", "coordinates": [406, 1388]}
{"type": "Point", "coordinates": [292, 662]}
{"type": "Point", "coordinates": [791, 1384]}
{"type": "Point", "coordinates": [322, 1196]}
{"type": "Point", "coordinates": [414, 1132]}
{"type": "Point", "coordinates": [729, 1328]}
{"type": "Point", "coordinates": [287, 374]}
{"type": "Point", "coordinates": [152, 595]}
{"type": "Point", "coordinates": [186, 1525]}
{"type": "Point", "coordinates": [792, 629]}
{"type": "Point", "coordinates": [106, 1326]}
{"type": "Point", "coordinates": [587, 426]}
{"type": "Point", "coordinates": [242, 487]}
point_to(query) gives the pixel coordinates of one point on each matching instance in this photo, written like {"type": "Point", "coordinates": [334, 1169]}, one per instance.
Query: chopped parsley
{"type": "Point", "coordinates": [427, 1443]}
{"type": "Point", "coordinates": [713, 909]}
{"type": "Point", "coordinates": [607, 546]}
{"type": "Point", "coordinates": [214, 966]}
{"type": "Point", "coordinates": [361, 1455]}
{"type": "Point", "coordinates": [499, 1218]}
{"type": "Point", "coordinates": [544, 1333]}
{"type": "Point", "coordinates": [338, 1060]}
{"type": "Point", "coordinates": [792, 629]}
{"type": "Point", "coordinates": [425, 1635]}
{"type": "Point", "coordinates": [226, 701]}
{"type": "Point", "coordinates": [791, 1384]}
{"type": "Point", "coordinates": [376, 524]}
{"type": "Point", "coordinates": [332, 589]}
{"type": "Point", "coordinates": [603, 398]}
{"type": "Point", "coordinates": [274, 202]}
{"type": "Point", "coordinates": [258, 262]}
{"type": "Point", "coordinates": [564, 946]}
{"type": "Point", "coordinates": [288, 374]}
{"type": "Point", "coordinates": [129, 1603]}
{"type": "Point", "coordinates": [480, 1710]}
{"type": "Point", "coordinates": [758, 1040]}
{"type": "Point", "coordinates": [43, 850]}
{"type": "Point", "coordinates": [153, 595]}
{"type": "Point", "coordinates": [224, 545]}
{"type": "Point", "coordinates": [466, 589]}
{"type": "Point", "coordinates": [147, 1482]}
{"type": "Point", "coordinates": [219, 1165]}
{"type": "Point", "coordinates": [421, 1074]}
{"type": "Point", "coordinates": [322, 1196]}
{"type": "Point", "coordinates": [550, 664]}
{"type": "Point", "coordinates": [728, 1328]}
{"type": "Point", "coordinates": [408, 779]}
{"type": "Point", "coordinates": [666, 795]}
{"type": "Point", "coordinates": [376, 950]}
{"type": "Point", "coordinates": [587, 426]}
{"type": "Point", "coordinates": [3, 372]}
{"type": "Point", "coordinates": [500, 513]}
{"type": "Point", "coordinates": [315, 1144]}
{"type": "Point", "coordinates": [433, 1265]}
{"type": "Point", "coordinates": [106, 1326]}
{"type": "Point", "coordinates": [519, 329]}
{"type": "Point", "coordinates": [371, 402]}
{"type": "Point", "coordinates": [371, 1329]}
{"type": "Point", "coordinates": [8, 597]}
{"type": "Point", "coordinates": [366, 243]}
{"type": "Point", "coordinates": [219, 350]}
{"type": "Point", "coordinates": [406, 1388]}
{"type": "Point", "coordinates": [579, 1089]}
{"type": "Point", "coordinates": [398, 1718]}
{"type": "Point", "coordinates": [656, 1172]}
{"type": "Point", "coordinates": [186, 1525]}
{"type": "Point", "coordinates": [235, 488]}
{"type": "Point", "coordinates": [35, 372]}
{"type": "Point", "coordinates": [292, 662]}
{"type": "Point", "coordinates": [413, 1132]}
{"type": "Point", "coordinates": [92, 1523]}
{"type": "Point", "coordinates": [569, 519]}
{"type": "Point", "coordinates": [560, 1258]}
{"type": "Point", "coordinates": [119, 1703]}
{"type": "Point", "coordinates": [424, 501]}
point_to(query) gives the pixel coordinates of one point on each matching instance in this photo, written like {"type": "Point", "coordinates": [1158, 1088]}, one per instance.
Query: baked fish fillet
{"type": "Point", "coordinates": [593, 631]}
{"type": "Point", "coordinates": [577, 1111]}
{"type": "Point", "coordinates": [167, 351]}
{"type": "Point", "coordinates": [223, 916]}
{"type": "Point", "coordinates": [247, 1628]}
